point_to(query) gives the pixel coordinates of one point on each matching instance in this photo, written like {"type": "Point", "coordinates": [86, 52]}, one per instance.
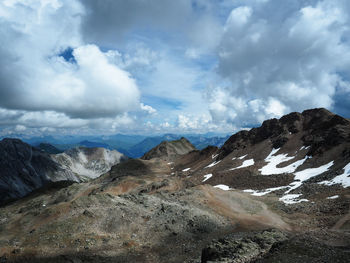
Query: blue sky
{"type": "Point", "coordinates": [162, 66]}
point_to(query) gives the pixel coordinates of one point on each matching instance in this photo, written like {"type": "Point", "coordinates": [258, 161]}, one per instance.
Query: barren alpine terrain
{"type": "Point", "coordinates": [276, 193]}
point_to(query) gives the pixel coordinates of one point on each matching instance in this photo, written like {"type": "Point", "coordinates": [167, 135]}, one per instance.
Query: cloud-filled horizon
{"type": "Point", "coordinates": [163, 66]}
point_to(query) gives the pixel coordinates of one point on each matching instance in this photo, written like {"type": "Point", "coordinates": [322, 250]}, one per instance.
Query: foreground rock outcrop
{"type": "Point", "coordinates": [242, 247]}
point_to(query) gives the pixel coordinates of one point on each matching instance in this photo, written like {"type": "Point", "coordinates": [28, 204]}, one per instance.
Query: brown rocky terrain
{"type": "Point", "coordinates": [277, 193]}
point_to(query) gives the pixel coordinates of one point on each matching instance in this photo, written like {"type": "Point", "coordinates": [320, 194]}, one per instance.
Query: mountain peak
{"type": "Point", "coordinates": [170, 150]}
{"type": "Point", "coordinates": [318, 128]}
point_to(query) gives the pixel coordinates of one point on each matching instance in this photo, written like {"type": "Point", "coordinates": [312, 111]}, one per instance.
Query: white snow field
{"type": "Point", "coordinates": [300, 177]}
{"type": "Point", "coordinates": [274, 160]}
{"type": "Point", "coordinates": [343, 179]}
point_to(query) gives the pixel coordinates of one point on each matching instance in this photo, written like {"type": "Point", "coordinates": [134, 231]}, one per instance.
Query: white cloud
{"type": "Point", "coordinates": [278, 63]}
{"type": "Point", "coordinates": [33, 75]}
{"type": "Point", "coordinates": [258, 59]}
{"type": "Point", "coordinates": [20, 128]}
{"type": "Point", "coordinates": [238, 16]}
{"type": "Point", "coordinates": [147, 109]}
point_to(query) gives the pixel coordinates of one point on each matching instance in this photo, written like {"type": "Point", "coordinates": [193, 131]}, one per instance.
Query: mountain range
{"type": "Point", "coordinates": [25, 168]}
{"type": "Point", "coordinates": [276, 193]}
{"type": "Point", "coordinates": [133, 146]}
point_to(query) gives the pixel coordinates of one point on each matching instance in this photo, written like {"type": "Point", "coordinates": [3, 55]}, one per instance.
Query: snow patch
{"type": "Point", "coordinates": [242, 157]}
{"type": "Point", "coordinates": [246, 163]}
{"type": "Point", "coordinates": [312, 172]}
{"type": "Point", "coordinates": [304, 147]}
{"type": "Point", "coordinates": [222, 187]}
{"type": "Point", "coordinates": [292, 199]}
{"type": "Point", "coordinates": [186, 169]}
{"type": "Point", "coordinates": [265, 191]}
{"type": "Point", "coordinates": [343, 179]}
{"type": "Point", "coordinates": [306, 174]}
{"type": "Point", "coordinates": [212, 164]}
{"type": "Point", "coordinates": [213, 156]}
{"type": "Point", "coordinates": [333, 197]}
{"type": "Point", "coordinates": [207, 176]}
{"type": "Point", "coordinates": [300, 177]}
{"type": "Point", "coordinates": [273, 161]}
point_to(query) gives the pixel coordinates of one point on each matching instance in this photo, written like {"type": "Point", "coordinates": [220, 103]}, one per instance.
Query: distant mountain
{"type": "Point", "coordinates": [148, 143]}
{"type": "Point", "coordinates": [48, 148]}
{"type": "Point", "coordinates": [130, 145]}
{"type": "Point", "coordinates": [90, 144]}
{"type": "Point", "coordinates": [88, 162]}
{"type": "Point", "coordinates": [199, 141]}
{"type": "Point", "coordinates": [169, 150]}
{"type": "Point", "coordinates": [24, 168]}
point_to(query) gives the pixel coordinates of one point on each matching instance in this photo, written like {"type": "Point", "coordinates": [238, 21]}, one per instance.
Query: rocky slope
{"type": "Point", "coordinates": [25, 168]}
{"type": "Point", "coordinates": [88, 162]}
{"type": "Point", "coordinates": [170, 150]}
{"type": "Point", "coordinates": [299, 158]}
{"type": "Point", "coordinates": [277, 193]}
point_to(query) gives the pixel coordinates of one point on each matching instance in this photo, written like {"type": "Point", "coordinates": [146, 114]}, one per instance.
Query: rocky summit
{"type": "Point", "coordinates": [170, 150]}
{"type": "Point", "coordinates": [276, 193]}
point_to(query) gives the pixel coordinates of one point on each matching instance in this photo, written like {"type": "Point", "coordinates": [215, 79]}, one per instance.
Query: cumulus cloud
{"type": "Point", "coordinates": [109, 22]}
{"type": "Point", "coordinates": [146, 65]}
{"type": "Point", "coordinates": [276, 62]}
{"type": "Point", "coordinates": [147, 109]}
{"type": "Point", "coordinates": [35, 77]}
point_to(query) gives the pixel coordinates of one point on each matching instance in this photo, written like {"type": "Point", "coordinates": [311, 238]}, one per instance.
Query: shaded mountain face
{"type": "Point", "coordinates": [277, 193]}
{"type": "Point", "coordinates": [170, 150]}
{"type": "Point", "coordinates": [88, 162]}
{"type": "Point", "coordinates": [24, 168]}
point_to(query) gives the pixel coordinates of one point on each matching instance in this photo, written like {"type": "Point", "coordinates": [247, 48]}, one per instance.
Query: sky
{"type": "Point", "coordinates": [164, 66]}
